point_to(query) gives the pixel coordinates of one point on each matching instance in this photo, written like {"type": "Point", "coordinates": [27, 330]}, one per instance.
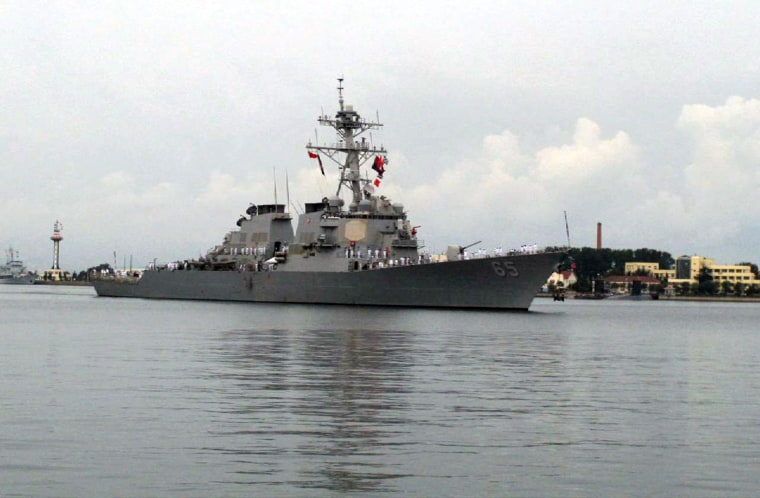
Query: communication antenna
{"type": "Point", "coordinates": [287, 190]}
{"type": "Point", "coordinates": [295, 208]}
{"type": "Point", "coordinates": [567, 230]}
{"type": "Point", "coordinates": [274, 179]}
{"type": "Point", "coordinates": [340, 92]}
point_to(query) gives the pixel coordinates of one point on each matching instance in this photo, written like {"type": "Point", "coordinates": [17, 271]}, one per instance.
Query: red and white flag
{"type": "Point", "coordinates": [314, 155]}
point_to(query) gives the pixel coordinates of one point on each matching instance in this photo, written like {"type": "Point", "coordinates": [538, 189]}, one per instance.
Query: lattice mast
{"type": "Point", "coordinates": [349, 125]}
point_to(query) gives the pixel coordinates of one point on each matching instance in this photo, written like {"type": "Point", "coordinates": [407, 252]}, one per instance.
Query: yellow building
{"type": "Point", "coordinates": [652, 269]}
{"type": "Point", "coordinates": [664, 274]}
{"type": "Point", "coordinates": [688, 269]}
{"type": "Point", "coordinates": [734, 274]}
{"type": "Point", "coordinates": [638, 266]}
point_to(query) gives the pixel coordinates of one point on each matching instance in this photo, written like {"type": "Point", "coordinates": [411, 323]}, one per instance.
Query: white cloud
{"type": "Point", "coordinates": [508, 196]}
{"type": "Point", "coordinates": [721, 181]}
{"type": "Point", "coordinates": [118, 189]}
{"type": "Point", "coordinates": [587, 157]}
{"type": "Point", "coordinates": [726, 149]}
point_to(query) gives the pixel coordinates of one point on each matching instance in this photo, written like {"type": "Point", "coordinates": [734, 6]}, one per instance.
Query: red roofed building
{"type": "Point", "coordinates": [562, 280]}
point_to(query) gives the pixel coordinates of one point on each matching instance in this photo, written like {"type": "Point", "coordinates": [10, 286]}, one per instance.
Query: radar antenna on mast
{"type": "Point", "coordinates": [340, 92]}
{"type": "Point", "coordinates": [287, 191]}
{"type": "Point", "coordinates": [351, 151]}
{"type": "Point", "coordinates": [274, 182]}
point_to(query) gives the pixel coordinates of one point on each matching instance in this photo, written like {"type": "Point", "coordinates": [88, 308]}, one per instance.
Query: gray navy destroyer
{"type": "Point", "coordinates": [367, 254]}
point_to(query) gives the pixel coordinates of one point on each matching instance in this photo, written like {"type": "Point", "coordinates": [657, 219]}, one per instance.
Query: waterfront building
{"type": "Point", "coordinates": [651, 269]}
{"type": "Point", "coordinates": [562, 280]}
{"type": "Point", "coordinates": [641, 266]}
{"type": "Point", "coordinates": [664, 274]}
{"type": "Point", "coordinates": [688, 269]}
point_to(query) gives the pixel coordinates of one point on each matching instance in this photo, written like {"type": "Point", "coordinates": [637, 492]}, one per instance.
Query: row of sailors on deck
{"type": "Point", "coordinates": [350, 252]}
{"type": "Point", "coordinates": [482, 253]}
{"type": "Point", "coordinates": [258, 266]}
{"type": "Point", "coordinates": [251, 251]}
{"type": "Point", "coordinates": [384, 255]}
{"type": "Point", "coordinates": [528, 249]}
{"type": "Point", "coordinates": [174, 265]}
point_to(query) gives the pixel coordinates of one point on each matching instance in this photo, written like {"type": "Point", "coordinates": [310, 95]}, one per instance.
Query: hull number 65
{"type": "Point", "coordinates": [505, 269]}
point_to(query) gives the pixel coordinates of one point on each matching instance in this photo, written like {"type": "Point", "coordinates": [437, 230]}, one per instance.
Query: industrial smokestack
{"type": "Point", "coordinates": [599, 235]}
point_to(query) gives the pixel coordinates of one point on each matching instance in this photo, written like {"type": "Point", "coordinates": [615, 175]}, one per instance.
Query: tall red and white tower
{"type": "Point", "coordinates": [56, 238]}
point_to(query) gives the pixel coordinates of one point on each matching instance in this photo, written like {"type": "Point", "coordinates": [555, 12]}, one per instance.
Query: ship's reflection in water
{"type": "Point", "coordinates": [313, 408]}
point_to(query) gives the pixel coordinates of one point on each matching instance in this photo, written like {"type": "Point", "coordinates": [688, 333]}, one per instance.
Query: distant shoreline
{"type": "Point", "coordinates": [645, 297]}
{"type": "Point", "coordinates": [72, 283]}
{"type": "Point", "coordinates": [726, 299]}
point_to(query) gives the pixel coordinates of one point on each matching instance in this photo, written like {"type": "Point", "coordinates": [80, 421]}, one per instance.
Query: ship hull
{"type": "Point", "coordinates": [507, 282]}
{"type": "Point", "coordinates": [21, 280]}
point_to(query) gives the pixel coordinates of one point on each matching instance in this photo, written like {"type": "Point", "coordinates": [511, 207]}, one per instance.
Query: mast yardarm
{"type": "Point", "coordinates": [349, 126]}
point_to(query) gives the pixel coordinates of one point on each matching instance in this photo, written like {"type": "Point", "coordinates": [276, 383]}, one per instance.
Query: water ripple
{"type": "Point", "coordinates": [152, 398]}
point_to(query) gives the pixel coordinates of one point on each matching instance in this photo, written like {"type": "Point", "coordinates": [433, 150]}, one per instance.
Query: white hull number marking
{"type": "Point", "coordinates": [505, 269]}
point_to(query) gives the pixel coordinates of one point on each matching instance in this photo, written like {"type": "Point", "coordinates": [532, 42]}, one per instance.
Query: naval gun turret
{"type": "Point", "coordinates": [455, 252]}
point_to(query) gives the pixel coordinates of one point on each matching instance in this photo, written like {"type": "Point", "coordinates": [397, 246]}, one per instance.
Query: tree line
{"type": "Point", "coordinates": [592, 264]}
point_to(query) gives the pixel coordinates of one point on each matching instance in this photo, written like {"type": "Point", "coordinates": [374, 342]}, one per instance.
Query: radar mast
{"type": "Point", "coordinates": [349, 152]}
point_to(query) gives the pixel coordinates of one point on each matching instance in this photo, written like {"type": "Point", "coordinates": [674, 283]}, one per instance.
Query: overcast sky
{"type": "Point", "coordinates": [148, 127]}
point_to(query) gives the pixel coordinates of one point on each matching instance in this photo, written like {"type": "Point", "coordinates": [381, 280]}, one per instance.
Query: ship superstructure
{"type": "Point", "coordinates": [373, 232]}
{"type": "Point", "coordinates": [14, 271]}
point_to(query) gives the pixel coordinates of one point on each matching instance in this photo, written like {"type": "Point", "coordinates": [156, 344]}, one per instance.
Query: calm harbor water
{"type": "Point", "coordinates": [108, 397]}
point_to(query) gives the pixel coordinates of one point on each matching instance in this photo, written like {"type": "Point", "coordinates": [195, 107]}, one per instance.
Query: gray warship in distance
{"type": "Point", "coordinates": [368, 254]}
{"type": "Point", "coordinates": [14, 271]}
